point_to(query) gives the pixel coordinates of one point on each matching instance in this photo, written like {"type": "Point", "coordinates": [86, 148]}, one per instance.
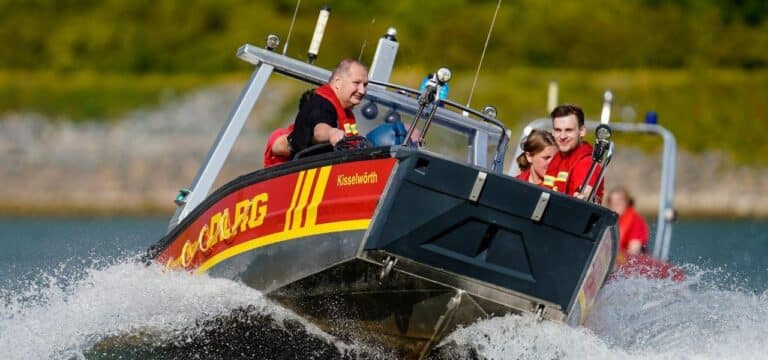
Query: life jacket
{"type": "Point", "coordinates": [345, 119]}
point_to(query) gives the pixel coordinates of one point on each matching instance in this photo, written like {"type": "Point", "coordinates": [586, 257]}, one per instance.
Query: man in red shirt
{"type": "Point", "coordinates": [570, 166]}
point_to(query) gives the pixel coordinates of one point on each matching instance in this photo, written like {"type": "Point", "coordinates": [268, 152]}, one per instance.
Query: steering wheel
{"type": "Point", "coordinates": [352, 142]}
{"type": "Point", "coordinates": [349, 142]}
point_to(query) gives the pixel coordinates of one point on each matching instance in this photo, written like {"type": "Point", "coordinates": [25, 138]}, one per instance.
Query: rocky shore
{"type": "Point", "coordinates": [136, 164]}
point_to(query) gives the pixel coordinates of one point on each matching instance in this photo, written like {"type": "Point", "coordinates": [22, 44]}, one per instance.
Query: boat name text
{"type": "Point", "coordinates": [222, 227]}
{"type": "Point", "coordinates": [357, 179]}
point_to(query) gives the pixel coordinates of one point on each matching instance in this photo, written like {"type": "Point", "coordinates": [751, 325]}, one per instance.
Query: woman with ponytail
{"type": "Point", "coordinates": [538, 150]}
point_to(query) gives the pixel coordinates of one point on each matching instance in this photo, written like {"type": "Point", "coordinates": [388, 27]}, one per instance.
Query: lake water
{"type": "Point", "coordinates": [66, 285]}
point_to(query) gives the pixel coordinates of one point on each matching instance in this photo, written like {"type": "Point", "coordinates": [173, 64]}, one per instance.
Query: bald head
{"type": "Point", "coordinates": [343, 68]}
{"type": "Point", "coordinates": [349, 81]}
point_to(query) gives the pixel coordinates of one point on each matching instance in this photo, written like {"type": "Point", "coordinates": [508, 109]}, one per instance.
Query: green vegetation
{"type": "Point", "coordinates": [180, 36]}
{"type": "Point", "coordinates": [706, 109]}
{"type": "Point", "coordinates": [703, 65]}
{"type": "Point", "coordinates": [88, 95]}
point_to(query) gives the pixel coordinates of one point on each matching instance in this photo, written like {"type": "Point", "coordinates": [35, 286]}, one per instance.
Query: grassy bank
{"type": "Point", "coordinates": [707, 109]}
{"type": "Point", "coordinates": [93, 96]}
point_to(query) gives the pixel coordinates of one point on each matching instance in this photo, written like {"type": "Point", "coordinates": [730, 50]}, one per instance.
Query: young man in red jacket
{"type": "Point", "coordinates": [571, 164]}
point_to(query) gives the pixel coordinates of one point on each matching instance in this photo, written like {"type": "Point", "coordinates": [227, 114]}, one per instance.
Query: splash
{"type": "Point", "coordinates": [634, 318]}
{"type": "Point", "coordinates": [89, 313]}
{"type": "Point", "coordinates": [54, 319]}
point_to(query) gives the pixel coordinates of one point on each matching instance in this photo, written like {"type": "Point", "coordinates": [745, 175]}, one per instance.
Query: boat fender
{"type": "Point", "coordinates": [387, 134]}
{"type": "Point", "coordinates": [370, 111]}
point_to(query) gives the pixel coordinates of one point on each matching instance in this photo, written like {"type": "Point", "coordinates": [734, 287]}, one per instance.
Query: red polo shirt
{"type": "Point", "coordinates": [567, 172]}
{"type": "Point", "coordinates": [632, 226]}
{"type": "Point", "coordinates": [271, 159]}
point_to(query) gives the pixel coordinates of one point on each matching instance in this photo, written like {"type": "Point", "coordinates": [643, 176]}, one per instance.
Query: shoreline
{"type": "Point", "coordinates": [96, 169]}
{"type": "Point", "coordinates": [10, 210]}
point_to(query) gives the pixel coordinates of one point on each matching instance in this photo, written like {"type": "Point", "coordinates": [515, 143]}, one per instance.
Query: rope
{"type": "Point", "coordinates": [290, 29]}
{"type": "Point", "coordinates": [482, 56]}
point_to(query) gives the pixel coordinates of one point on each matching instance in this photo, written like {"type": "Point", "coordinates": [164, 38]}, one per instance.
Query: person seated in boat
{"type": "Point", "coordinates": [570, 166]}
{"type": "Point", "coordinates": [278, 150]}
{"type": "Point", "coordinates": [326, 116]}
{"type": "Point", "coordinates": [539, 148]}
{"type": "Point", "coordinates": [633, 229]}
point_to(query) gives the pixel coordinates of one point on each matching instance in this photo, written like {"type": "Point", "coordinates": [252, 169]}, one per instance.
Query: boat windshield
{"type": "Point", "coordinates": [450, 134]}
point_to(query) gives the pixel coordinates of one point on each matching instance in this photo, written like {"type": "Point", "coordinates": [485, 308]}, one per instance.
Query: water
{"type": "Point", "coordinates": [71, 288]}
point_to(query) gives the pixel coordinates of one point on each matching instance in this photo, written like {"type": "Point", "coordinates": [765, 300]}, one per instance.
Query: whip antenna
{"type": "Point", "coordinates": [482, 56]}
{"type": "Point", "coordinates": [293, 20]}
{"type": "Point", "coordinates": [365, 40]}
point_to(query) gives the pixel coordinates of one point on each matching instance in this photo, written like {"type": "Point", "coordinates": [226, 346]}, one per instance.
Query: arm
{"type": "Point", "coordinates": [580, 172]}
{"type": "Point", "coordinates": [638, 235]}
{"type": "Point", "coordinates": [325, 133]}
{"type": "Point", "coordinates": [281, 147]}
{"type": "Point", "coordinates": [312, 124]}
{"type": "Point", "coordinates": [634, 247]}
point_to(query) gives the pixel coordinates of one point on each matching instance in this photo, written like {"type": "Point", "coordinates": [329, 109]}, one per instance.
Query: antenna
{"type": "Point", "coordinates": [365, 40]}
{"type": "Point", "coordinates": [482, 56]}
{"type": "Point", "coordinates": [293, 20]}
{"type": "Point", "coordinates": [317, 37]}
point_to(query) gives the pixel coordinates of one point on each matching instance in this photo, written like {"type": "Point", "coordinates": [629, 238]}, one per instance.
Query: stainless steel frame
{"type": "Point", "coordinates": [479, 132]}
{"type": "Point", "coordinates": [509, 298]}
{"type": "Point", "coordinates": [222, 146]}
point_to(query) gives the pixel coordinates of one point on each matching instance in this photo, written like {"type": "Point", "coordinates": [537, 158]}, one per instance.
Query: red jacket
{"type": "Point", "coordinates": [567, 172]}
{"type": "Point", "coordinates": [524, 175]}
{"type": "Point", "coordinates": [632, 226]}
{"type": "Point", "coordinates": [271, 159]}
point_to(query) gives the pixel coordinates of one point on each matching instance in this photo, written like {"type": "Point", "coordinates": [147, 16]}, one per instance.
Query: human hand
{"type": "Point", "coordinates": [583, 195]}
{"type": "Point", "coordinates": [336, 136]}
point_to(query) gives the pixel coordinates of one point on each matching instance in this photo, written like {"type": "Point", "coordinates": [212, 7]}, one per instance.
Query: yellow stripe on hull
{"type": "Point", "coordinates": [340, 226]}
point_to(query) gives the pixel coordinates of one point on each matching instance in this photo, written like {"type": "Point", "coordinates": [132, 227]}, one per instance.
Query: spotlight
{"type": "Point", "coordinates": [443, 75]}
{"type": "Point", "coordinates": [273, 41]}
{"type": "Point", "coordinates": [490, 111]}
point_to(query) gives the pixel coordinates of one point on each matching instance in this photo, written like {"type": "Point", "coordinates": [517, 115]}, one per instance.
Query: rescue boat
{"type": "Point", "coordinates": [395, 244]}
